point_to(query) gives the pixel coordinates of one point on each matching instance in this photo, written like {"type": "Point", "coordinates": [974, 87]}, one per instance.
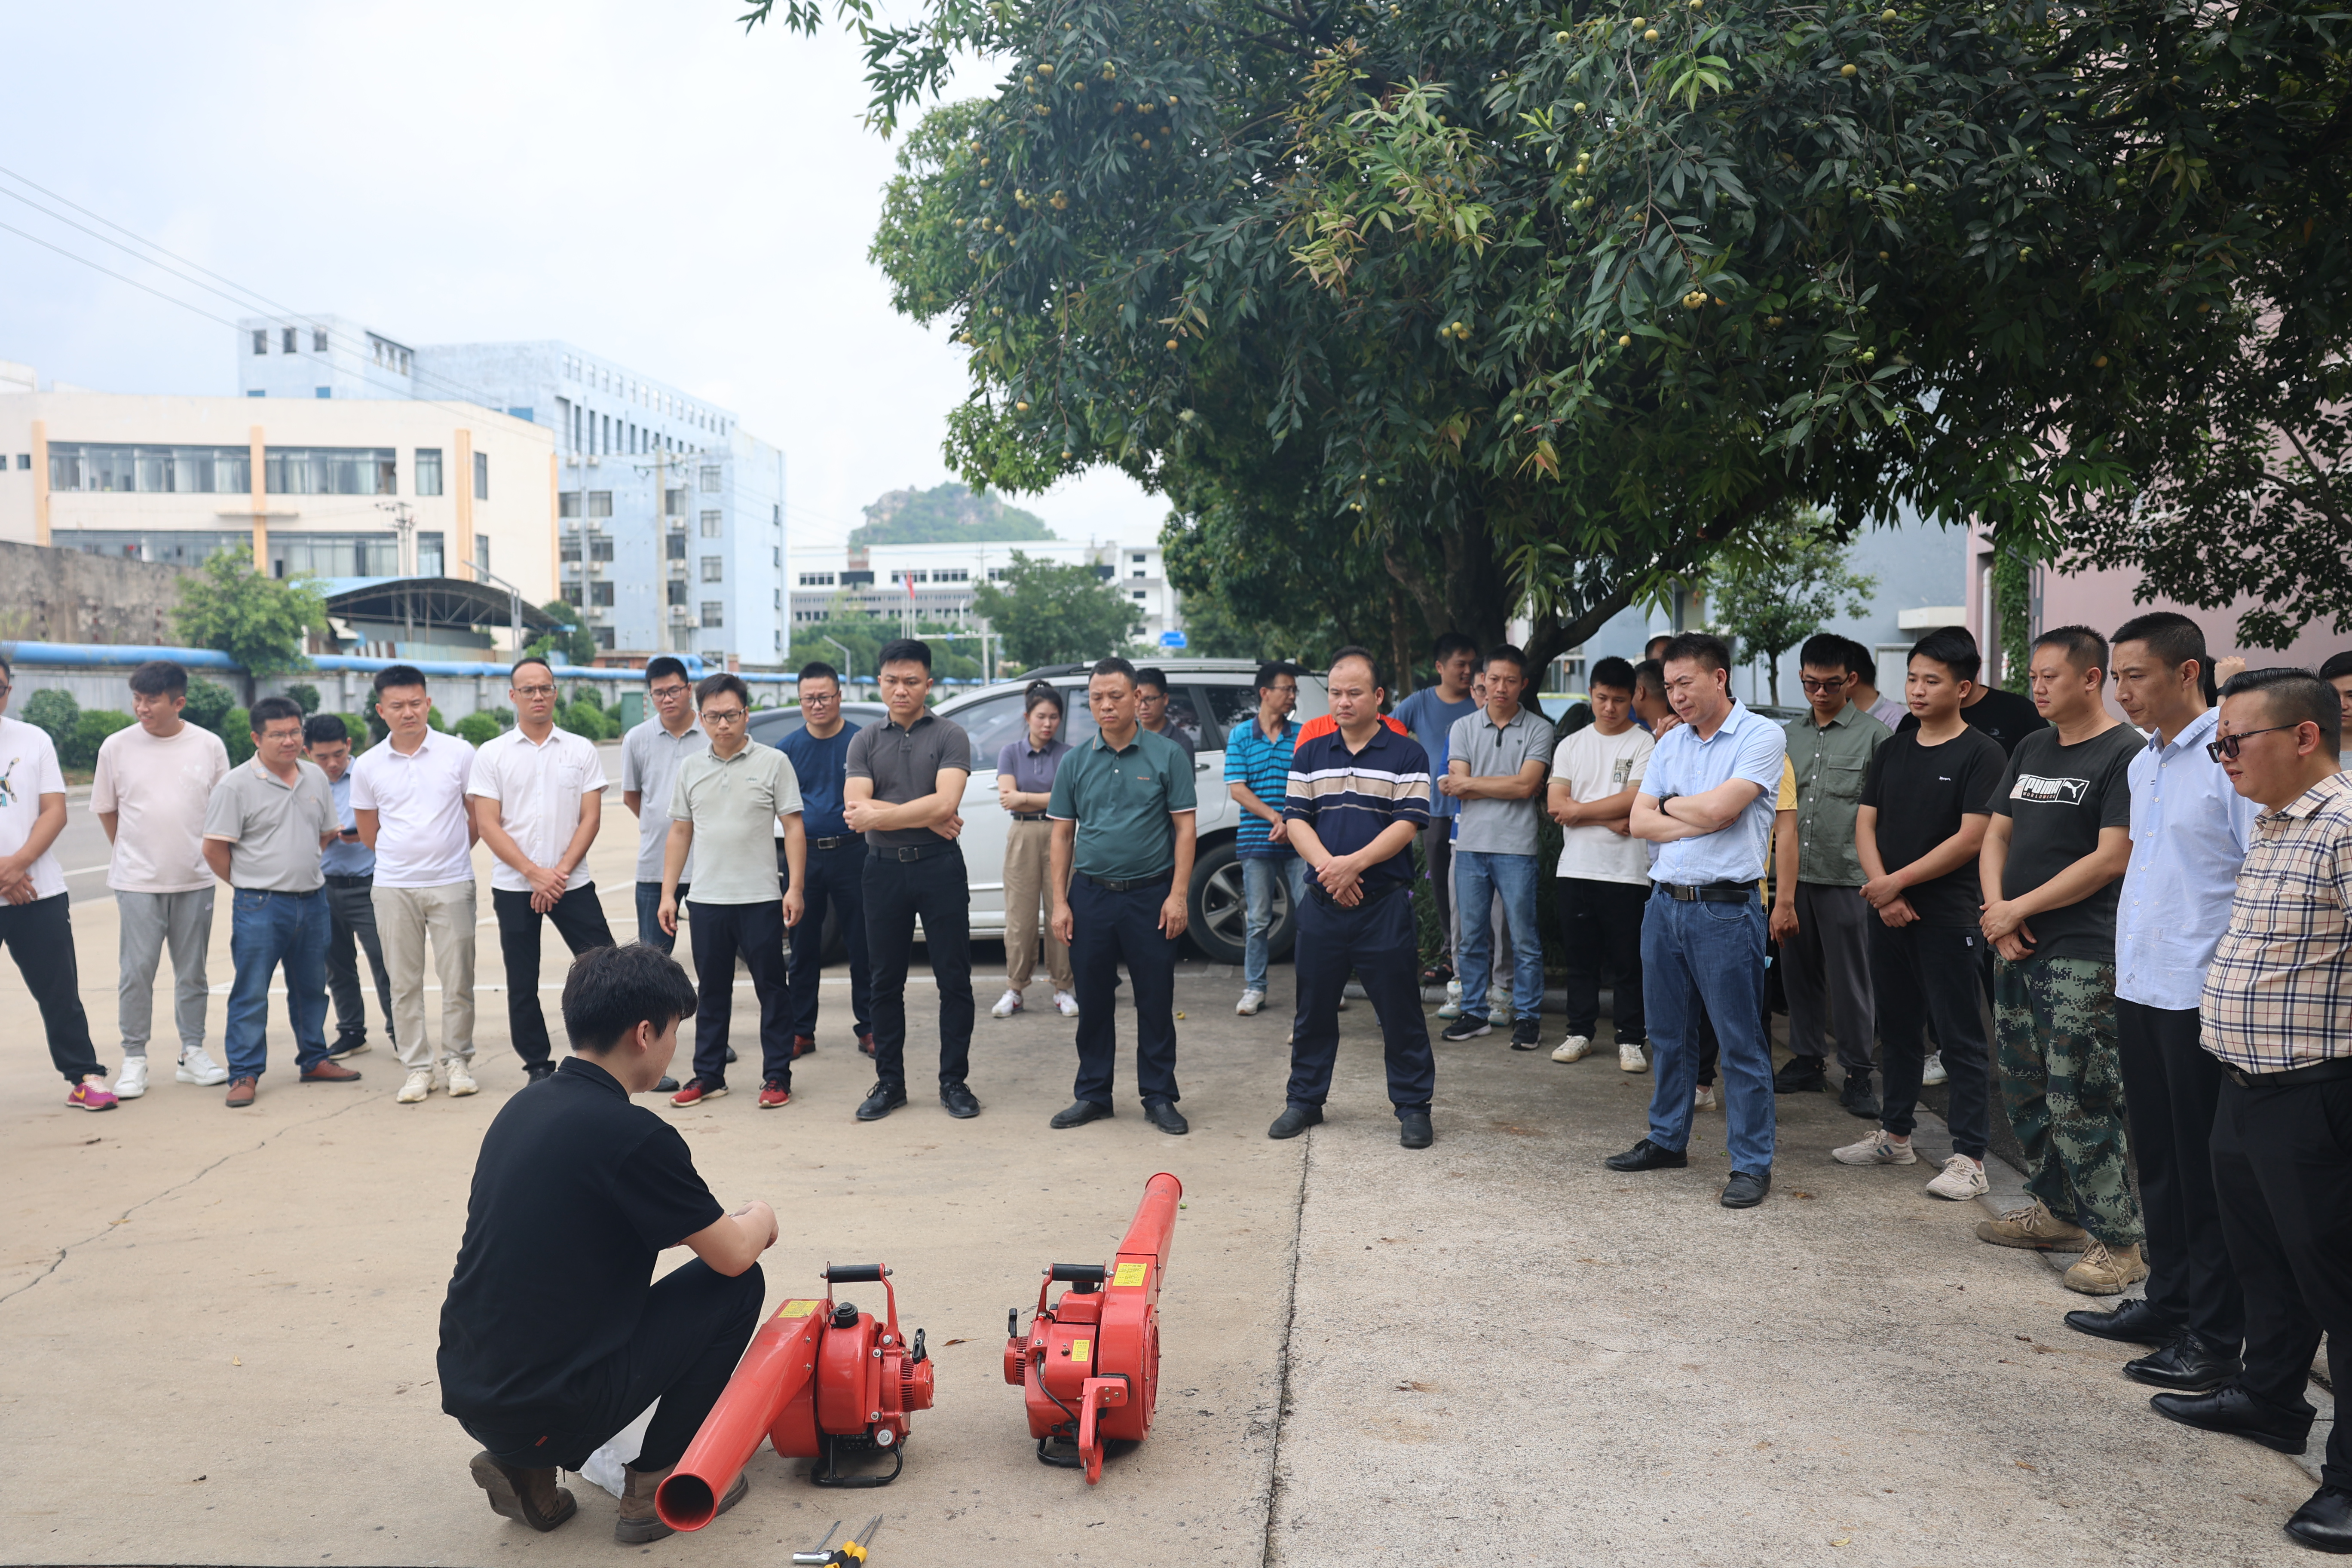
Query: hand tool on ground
{"type": "Point", "coordinates": [1090, 1362]}
{"type": "Point", "coordinates": [821, 1380]}
{"type": "Point", "coordinates": [850, 1554]}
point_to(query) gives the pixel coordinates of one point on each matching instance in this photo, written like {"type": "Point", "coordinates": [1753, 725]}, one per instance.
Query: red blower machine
{"type": "Point", "coordinates": [821, 1381]}
{"type": "Point", "coordinates": [1090, 1362]}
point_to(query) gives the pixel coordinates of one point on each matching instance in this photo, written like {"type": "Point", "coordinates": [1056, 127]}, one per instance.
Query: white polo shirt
{"type": "Point", "coordinates": [419, 799]}
{"type": "Point", "coordinates": [538, 785]}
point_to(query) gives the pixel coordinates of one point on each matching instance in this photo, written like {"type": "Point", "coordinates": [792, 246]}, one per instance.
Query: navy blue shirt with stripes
{"type": "Point", "coordinates": [1349, 798]}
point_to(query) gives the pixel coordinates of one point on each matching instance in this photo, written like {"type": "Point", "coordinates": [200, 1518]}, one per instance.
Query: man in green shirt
{"type": "Point", "coordinates": [1120, 878]}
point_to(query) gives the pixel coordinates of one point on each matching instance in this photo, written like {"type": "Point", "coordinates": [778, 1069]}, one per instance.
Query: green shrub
{"type": "Point", "coordinates": [56, 712]}
{"type": "Point", "coordinates": [433, 720]}
{"type": "Point", "coordinates": [208, 704]}
{"type": "Point", "coordinates": [90, 731]}
{"type": "Point", "coordinates": [236, 735]}
{"type": "Point", "coordinates": [478, 729]}
{"type": "Point", "coordinates": [585, 718]}
{"type": "Point", "coordinates": [362, 732]}
{"type": "Point", "coordinates": [306, 696]}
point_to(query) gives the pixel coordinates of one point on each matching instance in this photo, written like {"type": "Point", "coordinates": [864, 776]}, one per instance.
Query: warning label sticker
{"type": "Point", "coordinates": [1081, 1350]}
{"type": "Point", "coordinates": [797, 1308]}
{"type": "Point", "coordinates": [1130, 1273]}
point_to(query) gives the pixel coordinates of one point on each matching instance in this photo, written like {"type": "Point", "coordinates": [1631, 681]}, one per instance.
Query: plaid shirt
{"type": "Point", "coordinates": [2279, 993]}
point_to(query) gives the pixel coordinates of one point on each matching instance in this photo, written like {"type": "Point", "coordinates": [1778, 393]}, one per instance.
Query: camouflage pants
{"type": "Point", "coordinates": [2061, 1084]}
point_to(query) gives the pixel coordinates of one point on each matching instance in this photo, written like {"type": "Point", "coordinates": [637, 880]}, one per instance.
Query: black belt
{"type": "Point", "coordinates": [2332, 1070]}
{"type": "Point", "coordinates": [341, 880]}
{"type": "Point", "coordinates": [1129, 885]}
{"type": "Point", "coordinates": [1028, 817]}
{"type": "Point", "coordinates": [1709, 892]}
{"type": "Point", "coordinates": [835, 842]}
{"type": "Point", "coordinates": [904, 853]}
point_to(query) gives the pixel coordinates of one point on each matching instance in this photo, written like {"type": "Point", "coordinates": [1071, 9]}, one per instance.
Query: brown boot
{"type": "Point", "coordinates": [529, 1496]}
{"type": "Point", "coordinates": [638, 1523]}
{"type": "Point", "coordinates": [2106, 1270]}
{"type": "Point", "coordinates": [2033, 1226]}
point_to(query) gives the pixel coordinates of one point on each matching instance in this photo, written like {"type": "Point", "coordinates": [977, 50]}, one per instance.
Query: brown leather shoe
{"type": "Point", "coordinates": [241, 1091]}
{"type": "Point", "coordinates": [638, 1523]}
{"type": "Point", "coordinates": [529, 1496]}
{"type": "Point", "coordinates": [330, 1073]}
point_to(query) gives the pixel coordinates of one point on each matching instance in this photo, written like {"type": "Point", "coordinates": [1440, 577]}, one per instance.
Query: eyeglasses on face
{"type": "Point", "coordinates": [534, 690]}
{"type": "Point", "coordinates": [1810, 684]}
{"type": "Point", "coordinates": [670, 693]}
{"type": "Point", "coordinates": [2227, 748]}
{"type": "Point", "coordinates": [723, 715]}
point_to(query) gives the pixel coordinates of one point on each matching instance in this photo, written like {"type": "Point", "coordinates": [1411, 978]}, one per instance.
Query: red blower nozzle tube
{"type": "Point", "coordinates": [820, 1381]}
{"type": "Point", "coordinates": [1090, 1362]}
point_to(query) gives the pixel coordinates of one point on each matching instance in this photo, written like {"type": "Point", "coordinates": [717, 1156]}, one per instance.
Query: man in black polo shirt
{"type": "Point", "coordinates": [554, 1336]}
{"type": "Point", "coordinates": [1120, 878]}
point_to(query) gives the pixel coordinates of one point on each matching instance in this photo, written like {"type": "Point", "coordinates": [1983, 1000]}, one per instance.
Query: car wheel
{"type": "Point", "coordinates": [1220, 908]}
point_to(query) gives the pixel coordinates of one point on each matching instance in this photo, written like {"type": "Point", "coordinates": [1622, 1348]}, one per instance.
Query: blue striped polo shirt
{"type": "Point", "coordinates": [1349, 798]}
{"type": "Point", "coordinates": [1263, 767]}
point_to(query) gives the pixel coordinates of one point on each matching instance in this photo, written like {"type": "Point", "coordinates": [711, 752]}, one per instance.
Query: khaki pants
{"type": "Point", "coordinates": [1028, 850]}
{"type": "Point", "coordinates": [405, 918]}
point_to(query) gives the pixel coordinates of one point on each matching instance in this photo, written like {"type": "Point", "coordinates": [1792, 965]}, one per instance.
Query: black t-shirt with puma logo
{"type": "Point", "coordinates": [2057, 798]}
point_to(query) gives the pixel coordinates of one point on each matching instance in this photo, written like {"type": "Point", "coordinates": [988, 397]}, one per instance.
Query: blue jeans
{"type": "Point", "coordinates": [267, 930]}
{"type": "Point", "coordinates": [1709, 955]}
{"type": "Point", "coordinates": [1478, 876]}
{"type": "Point", "coordinates": [649, 930]}
{"type": "Point", "coordinates": [1258, 874]}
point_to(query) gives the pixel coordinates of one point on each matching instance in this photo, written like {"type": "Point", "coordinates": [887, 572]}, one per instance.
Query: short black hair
{"type": "Point", "coordinates": [1357, 651]}
{"type": "Point", "coordinates": [2084, 648]}
{"type": "Point", "coordinates": [665, 665]}
{"type": "Point", "coordinates": [1707, 649]}
{"type": "Point", "coordinates": [1151, 675]}
{"type": "Point", "coordinates": [516, 667]}
{"type": "Point", "coordinates": [1510, 654]}
{"type": "Point", "coordinates": [1448, 644]}
{"type": "Point", "coordinates": [905, 650]}
{"type": "Point", "coordinates": [719, 685]}
{"type": "Point", "coordinates": [2293, 696]}
{"type": "Point", "coordinates": [1952, 648]}
{"type": "Point", "coordinates": [160, 678]}
{"type": "Point", "coordinates": [1658, 643]}
{"type": "Point", "coordinates": [1612, 672]}
{"type": "Point", "coordinates": [2337, 664]}
{"type": "Point", "coordinates": [1826, 650]}
{"type": "Point", "coordinates": [2170, 634]}
{"type": "Point", "coordinates": [324, 729]}
{"type": "Point", "coordinates": [1272, 671]}
{"type": "Point", "coordinates": [818, 669]}
{"type": "Point", "coordinates": [1650, 676]}
{"type": "Point", "coordinates": [612, 990]}
{"type": "Point", "coordinates": [1114, 665]}
{"type": "Point", "coordinates": [273, 708]}
{"type": "Point", "coordinates": [6, 668]}
{"type": "Point", "coordinates": [393, 675]}
{"type": "Point", "coordinates": [1860, 661]}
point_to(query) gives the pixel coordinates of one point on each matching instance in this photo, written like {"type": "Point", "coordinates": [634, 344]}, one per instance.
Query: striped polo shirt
{"type": "Point", "coordinates": [1262, 766]}
{"type": "Point", "coordinates": [1349, 798]}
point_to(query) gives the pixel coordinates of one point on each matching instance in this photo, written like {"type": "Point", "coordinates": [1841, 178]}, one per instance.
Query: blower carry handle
{"type": "Point", "coordinates": [853, 1273]}
{"type": "Point", "coordinates": [1084, 1275]}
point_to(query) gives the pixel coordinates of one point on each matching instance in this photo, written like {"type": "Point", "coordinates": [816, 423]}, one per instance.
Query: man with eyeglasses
{"type": "Point", "coordinates": [819, 751]}
{"type": "Point", "coordinates": [538, 793]}
{"type": "Point", "coordinates": [727, 800]}
{"type": "Point", "coordinates": [1151, 707]}
{"type": "Point", "coordinates": [1822, 921]}
{"type": "Point", "coordinates": [650, 754]}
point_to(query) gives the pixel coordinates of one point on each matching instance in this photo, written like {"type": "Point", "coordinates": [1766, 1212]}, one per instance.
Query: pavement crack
{"type": "Point", "coordinates": [1282, 1360]}
{"type": "Point", "coordinates": [70, 1247]}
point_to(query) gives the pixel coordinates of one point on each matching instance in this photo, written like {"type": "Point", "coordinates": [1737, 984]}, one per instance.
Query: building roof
{"type": "Point", "coordinates": [446, 602]}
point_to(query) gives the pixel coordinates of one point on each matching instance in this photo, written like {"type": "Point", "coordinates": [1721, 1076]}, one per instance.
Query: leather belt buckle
{"type": "Point", "coordinates": [906, 854]}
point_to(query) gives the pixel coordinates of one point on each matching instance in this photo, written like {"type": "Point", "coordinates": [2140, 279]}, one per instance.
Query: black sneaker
{"type": "Point", "coordinates": [1465, 1027]}
{"type": "Point", "coordinates": [538, 1072]}
{"type": "Point", "coordinates": [347, 1045]}
{"type": "Point", "coordinates": [1524, 1035]}
{"type": "Point", "coordinates": [1801, 1074]}
{"type": "Point", "coordinates": [1857, 1097]}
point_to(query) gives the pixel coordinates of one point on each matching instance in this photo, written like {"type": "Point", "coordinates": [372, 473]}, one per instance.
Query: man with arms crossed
{"type": "Point", "coordinates": [819, 753]}
{"type": "Point", "coordinates": [539, 798]}
{"type": "Point", "coordinates": [408, 796]}
{"type": "Point", "coordinates": [1257, 775]}
{"type": "Point", "coordinates": [1496, 760]}
{"type": "Point", "coordinates": [1429, 713]}
{"type": "Point", "coordinates": [554, 1334]}
{"type": "Point", "coordinates": [1604, 871]}
{"type": "Point", "coordinates": [350, 870]}
{"type": "Point", "coordinates": [1707, 801]}
{"type": "Point", "coordinates": [154, 782]}
{"type": "Point", "coordinates": [905, 779]}
{"type": "Point", "coordinates": [2058, 839]}
{"type": "Point", "coordinates": [650, 754]}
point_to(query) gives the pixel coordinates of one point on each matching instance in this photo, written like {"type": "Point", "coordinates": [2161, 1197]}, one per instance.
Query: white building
{"type": "Point", "coordinates": [940, 579]}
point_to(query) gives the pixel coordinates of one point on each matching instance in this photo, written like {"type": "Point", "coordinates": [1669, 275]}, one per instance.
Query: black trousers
{"type": "Point", "coordinates": [721, 933]}
{"type": "Point", "coordinates": [1377, 939]}
{"type": "Point", "coordinates": [2282, 1171]}
{"type": "Point", "coordinates": [350, 932]}
{"type": "Point", "coordinates": [1599, 919]}
{"type": "Point", "coordinates": [833, 875]}
{"type": "Point", "coordinates": [2171, 1084]}
{"type": "Point", "coordinates": [1926, 977]}
{"type": "Point", "coordinates": [579, 918]}
{"type": "Point", "coordinates": [1107, 927]}
{"type": "Point", "coordinates": [937, 891]}
{"type": "Point", "coordinates": [40, 937]}
{"type": "Point", "coordinates": [697, 1322]}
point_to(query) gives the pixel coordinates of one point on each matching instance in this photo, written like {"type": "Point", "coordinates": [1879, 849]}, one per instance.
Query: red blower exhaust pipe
{"type": "Point", "coordinates": [821, 1380]}
{"type": "Point", "coordinates": [1090, 1362]}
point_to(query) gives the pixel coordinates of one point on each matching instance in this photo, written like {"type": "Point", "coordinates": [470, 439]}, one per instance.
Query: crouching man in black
{"type": "Point", "coordinates": [555, 1335]}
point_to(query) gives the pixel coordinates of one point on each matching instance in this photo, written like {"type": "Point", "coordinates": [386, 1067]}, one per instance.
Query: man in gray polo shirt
{"type": "Point", "coordinates": [650, 754]}
{"type": "Point", "coordinates": [264, 827]}
{"type": "Point", "coordinates": [1496, 762]}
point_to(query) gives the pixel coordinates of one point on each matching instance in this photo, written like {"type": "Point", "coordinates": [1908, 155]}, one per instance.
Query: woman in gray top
{"type": "Point", "coordinates": [1025, 781]}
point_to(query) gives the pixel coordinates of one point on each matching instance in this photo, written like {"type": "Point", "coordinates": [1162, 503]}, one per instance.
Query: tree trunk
{"type": "Point", "coordinates": [1772, 672]}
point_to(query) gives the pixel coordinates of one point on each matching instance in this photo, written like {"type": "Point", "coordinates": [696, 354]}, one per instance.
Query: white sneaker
{"type": "Point", "coordinates": [419, 1085]}
{"type": "Point", "coordinates": [198, 1067]}
{"type": "Point", "coordinates": [1250, 1003]}
{"type": "Point", "coordinates": [131, 1081]}
{"type": "Point", "coordinates": [461, 1079]}
{"type": "Point", "coordinates": [1630, 1060]}
{"type": "Point", "coordinates": [1343, 1001]}
{"type": "Point", "coordinates": [1006, 1005]}
{"type": "Point", "coordinates": [1933, 1072]}
{"type": "Point", "coordinates": [1574, 1048]}
{"type": "Point", "coordinates": [1451, 1007]}
{"type": "Point", "coordinates": [1065, 1004]}
{"type": "Point", "coordinates": [1703, 1098]}
{"type": "Point", "coordinates": [1879, 1149]}
{"type": "Point", "coordinates": [1963, 1178]}
{"type": "Point", "coordinates": [1499, 1002]}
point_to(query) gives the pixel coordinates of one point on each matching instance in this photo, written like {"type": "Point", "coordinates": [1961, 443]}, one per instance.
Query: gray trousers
{"type": "Point", "coordinates": [147, 922]}
{"type": "Point", "coordinates": [1437, 848]}
{"type": "Point", "coordinates": [1825, 969]}
{"type": "Point", "coordinates": [351, 907]}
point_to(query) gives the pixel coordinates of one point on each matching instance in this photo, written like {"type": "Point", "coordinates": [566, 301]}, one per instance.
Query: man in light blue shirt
{"type": "Point", "coordinates": [1707, 803]}
{"type": "Point", "coordinates": [2189, 829]}
{"type": "Point", "coordinates": [349, 868]}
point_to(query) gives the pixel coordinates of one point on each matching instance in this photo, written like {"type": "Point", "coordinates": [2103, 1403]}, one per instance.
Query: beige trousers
{"type": "Point", "coordinates": [405, 918]}
{"type": "Point", "coordinates": [1028, 851]}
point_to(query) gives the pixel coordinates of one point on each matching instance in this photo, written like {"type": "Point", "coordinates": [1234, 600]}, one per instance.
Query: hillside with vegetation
{"type": "Point", "coordinates": [945, 514]}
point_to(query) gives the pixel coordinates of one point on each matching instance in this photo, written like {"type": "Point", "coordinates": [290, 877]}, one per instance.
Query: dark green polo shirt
{"type": "Point", "coordinates": [1121, 801]}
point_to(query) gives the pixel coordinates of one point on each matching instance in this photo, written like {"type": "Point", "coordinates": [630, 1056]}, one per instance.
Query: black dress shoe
{"type": "Point", "coordinates": [2133, 1323]}
{"type": "Point", "coordinates": [1799, 1074]}
{"type": "Point", "coordinates": [2229, 1409]}
{"type": "Point", "coordinates": [1857, 1096]}
{"type": "Point", "coordinates": [2325, 1523]}
{"type": "Point", "coordinates": [1745, 1189]}
{"type": "Point", "coordinates": [667, 1085]}
{"type": "Point", "coordinates": [961, 1102]}
{"type": "Point", "coordinates": [886, 1098]}
{"type": "Point", "coordinates": [1295, 1119]}
{"type": "Point", "coordinates": [1081, 1112]}
{"type": "Point", "coordinates": [1164, 1114]}
{"type": "Point", "coordinates": [1414, 1131]}
{"type": "Point", "coordinates": [730, 1054]}
{"type": "Point", "coordinates": [2188, 1364]}
{"type": "Point", "coordinates": [1648, 1156]}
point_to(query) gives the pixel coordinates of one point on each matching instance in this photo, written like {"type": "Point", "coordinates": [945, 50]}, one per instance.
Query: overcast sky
{"type": "Point", "coordinates": [644, 180]}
